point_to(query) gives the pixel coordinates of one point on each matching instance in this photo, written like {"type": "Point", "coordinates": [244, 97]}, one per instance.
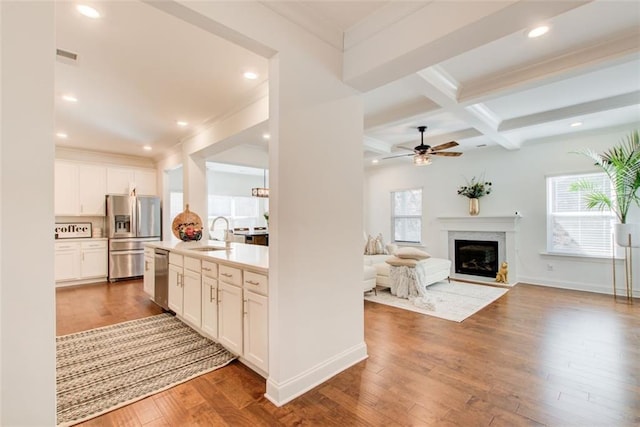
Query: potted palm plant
{"type": "Point", "coordinates": [621, 164]}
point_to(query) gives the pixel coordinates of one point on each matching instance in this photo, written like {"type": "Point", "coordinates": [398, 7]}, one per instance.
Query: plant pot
{"type": "Point", "coordinates": [626, 233]}
{"type": "Point", "coordinates": [474, 207]}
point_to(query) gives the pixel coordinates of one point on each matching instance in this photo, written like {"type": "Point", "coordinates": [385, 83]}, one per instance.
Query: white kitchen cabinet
{"type": "Point", "coordinates": [230, 316]}
{"type": "Point", "coordinates": [66, 189]}
{"type": "Point", "coordinates": [149, 277]}
{"type": "Point", "coordinates": [192, 292]}
{"type": "Point", "coordinates": [93, 259]}
{"type": "Point", "coordinates": [67, 261]}
{"type": "Point", "coordinates": [123, 180]}
{"type": "Point", "coordinates": [256, 331]}
{"type": "Point", "coordinates": [92, 187]}
{"type": "Point", "coordinates": [78, 261]}
{"type": "Point", "coordinates": [209, 299]}
{"type": "Point", "coordinates": [176, 280]}
{"type": "Point", "coordinates": [145, 182]}
{"type": "Point", "coordinates": [79, 189]}
{"type": "Point", "coordinates": [210, 306]}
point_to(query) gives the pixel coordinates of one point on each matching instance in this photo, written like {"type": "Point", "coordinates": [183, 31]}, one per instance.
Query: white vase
{"type": "Point", "coordinates": [624, 232]}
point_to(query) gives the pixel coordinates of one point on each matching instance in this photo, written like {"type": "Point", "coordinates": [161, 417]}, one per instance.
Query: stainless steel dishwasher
{"type": "Point", "coordinates": [161, 296]}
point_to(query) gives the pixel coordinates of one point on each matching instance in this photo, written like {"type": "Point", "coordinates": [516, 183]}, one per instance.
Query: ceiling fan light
{"type": "Point", "coordinates": [421, 160]}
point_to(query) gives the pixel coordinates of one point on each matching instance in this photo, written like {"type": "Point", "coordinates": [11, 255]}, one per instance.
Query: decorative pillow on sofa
{"type": "Point", "coordinates": [411, 253]}
{"type": "Point", "coordinates": [375, 246]}
{"type": "Point", "coordinates": [400, 262]}
{"type": "Point", "coordinates": [391, 248]}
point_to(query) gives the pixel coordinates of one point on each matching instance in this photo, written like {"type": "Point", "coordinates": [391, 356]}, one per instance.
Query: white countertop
{"type": "Point", "coordinates": [82, 239]}
{"type": "Point", "coordinates": [253, 257]}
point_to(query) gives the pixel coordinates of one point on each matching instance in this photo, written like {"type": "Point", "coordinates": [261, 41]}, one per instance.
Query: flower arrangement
{"type": "Point", "coordinates": [189, 231]}
{"type": "Point", "coordinates": [475, 188]}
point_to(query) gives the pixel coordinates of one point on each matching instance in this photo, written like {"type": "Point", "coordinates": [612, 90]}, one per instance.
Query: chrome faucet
{"type": "Point", "coordinates": [227, 231]}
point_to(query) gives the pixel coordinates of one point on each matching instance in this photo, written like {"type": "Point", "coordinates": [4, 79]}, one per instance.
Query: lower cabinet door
{"type": "Point", "coordinates": [149, 285]}
{"type": "Point", "coordinates": [230, 317]}
{"type": "Point", "coordinates": [256, 330]}
{"type": "Point", "coordinates": [94, 263]}
{"type": "Point", "coordinates": [210, 306]}
{"type": "Point", "coordinates": [67, 264]}
{"type": "Point", "coordinates": [192, 292]}
{"type": "Point", "coordinates": [175, 288]}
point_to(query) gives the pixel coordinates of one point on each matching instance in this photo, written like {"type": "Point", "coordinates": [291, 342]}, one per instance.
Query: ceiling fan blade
{"type": "Point", "coordinates": [444, 146]}
{"type": "Point", "coordinates": [399, 155]}
{"type": "Point", "coordinates": [446, 153]}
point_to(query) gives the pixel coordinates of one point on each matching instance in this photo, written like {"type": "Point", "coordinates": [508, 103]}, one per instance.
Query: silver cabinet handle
{"type": "Point", "coordinates": [211, 299]}
{"type": "Point", "coordinates": [206, 268]}
{"type": "Point", "coordinates": [251, 282]}
{"type": "Point", "coordinates": [245, 306]}
{"type": "Point", "coordinates": [226, 274]}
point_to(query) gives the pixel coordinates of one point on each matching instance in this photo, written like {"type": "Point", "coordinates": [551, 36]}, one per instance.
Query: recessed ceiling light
{"type": "Point", "coordinates": [62, 135]}
{"type": "Point", "coordinates": [576, 124]}
{"type": "Point", "coordinates": [146, 148]}
{"type": "Point", "coordinates": [538, 31]}
{"type": "Point", "coordinates": [266, 136]}
{"type": "Point", "coordinates": [250, 75]}
{"type": "Point", "coordinates": [69, 98]}
{"type": "Point", "coordinates": [88, 11]}
{"type": "Point", "coordinates": [374, 161]}
{"type": "Point", "coordinates": [182, 123]}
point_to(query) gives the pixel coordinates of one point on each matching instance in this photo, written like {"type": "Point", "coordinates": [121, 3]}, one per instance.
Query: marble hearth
{"type": "Point", "coordinates": [502, 229]}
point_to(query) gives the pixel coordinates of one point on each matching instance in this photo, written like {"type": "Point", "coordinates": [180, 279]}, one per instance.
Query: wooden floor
{"type": "Point", "coordinates": [537, 356]}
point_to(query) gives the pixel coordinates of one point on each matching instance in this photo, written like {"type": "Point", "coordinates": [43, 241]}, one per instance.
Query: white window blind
{"type": "Point", "coordinates": [406, 212]}
{"type": "Point", "coordinates": [572, 228]}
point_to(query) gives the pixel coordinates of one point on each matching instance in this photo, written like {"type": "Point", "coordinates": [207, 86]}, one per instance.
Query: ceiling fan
{"type": "Point", "coordinates": [422, 153]}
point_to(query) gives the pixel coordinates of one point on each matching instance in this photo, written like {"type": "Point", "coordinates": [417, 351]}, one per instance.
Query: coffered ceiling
{"type": "Point", "coordinates": [485, 85]}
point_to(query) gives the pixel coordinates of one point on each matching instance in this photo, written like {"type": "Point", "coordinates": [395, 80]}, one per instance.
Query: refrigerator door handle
{"type": "Point", "coordinates": [136, 216]}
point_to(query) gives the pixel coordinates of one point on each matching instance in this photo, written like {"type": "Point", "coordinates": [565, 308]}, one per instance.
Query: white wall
{"type": "Point", "coordinates": [27, 304]}
{"type": "Point", "coordinates": [316, 325]}
{"type": "Point", "coordinates": [518, 179]}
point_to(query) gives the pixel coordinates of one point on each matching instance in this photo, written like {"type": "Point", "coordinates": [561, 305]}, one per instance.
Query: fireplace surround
{"type": "Point", "coordinates": [501, 229]}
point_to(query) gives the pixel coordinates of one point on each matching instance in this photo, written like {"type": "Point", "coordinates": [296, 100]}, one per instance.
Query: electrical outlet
{"type": "Point", "coordinates": [549, 267]}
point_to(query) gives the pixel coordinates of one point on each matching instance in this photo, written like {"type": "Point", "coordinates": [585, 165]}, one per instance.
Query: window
{"type": "Point", "coordinates": [241, 211]}
{"type": "Point", "coordinates": [572, 228]}
{"type": "Point", "coordinates": [406, 215]}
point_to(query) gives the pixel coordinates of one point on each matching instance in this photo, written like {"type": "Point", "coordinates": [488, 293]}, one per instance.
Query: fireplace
{"type": "Point", "coordinates": [476, 257]}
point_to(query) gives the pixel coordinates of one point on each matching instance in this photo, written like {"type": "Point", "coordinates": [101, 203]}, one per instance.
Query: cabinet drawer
{"type": "Point", "coordinates": [149, 251]}
{"type": "Point", "coordinates": [192, 264]}
{"type": "Point", "coordinates": [67, 246]}
{"type": "Point", "coordinates": [230, 275]}
{"type": "Point", "coordinates": [175, 259]}
{"type": "Point", "coordinates": [100, 244]}
{"type": "Point", "coordinates": [258, 283]}
{"type": "Point", "coordinates": [210, 269]}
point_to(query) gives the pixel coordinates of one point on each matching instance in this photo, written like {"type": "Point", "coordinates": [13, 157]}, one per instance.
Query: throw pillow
{"type": "Point", "coordinates": [401, 262]}
{"type": "Point", "coordinates": [380, 247]}
{"type": "Point", "coordinates": [391, 248]}
{"type": "Point", "coordinates": [411, 253]}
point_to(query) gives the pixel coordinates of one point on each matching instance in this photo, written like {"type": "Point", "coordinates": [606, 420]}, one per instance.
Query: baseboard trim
{"type": "Point", "coordinates": [282, 393]}
{"type": "Point", "coordinates": [575, 286]}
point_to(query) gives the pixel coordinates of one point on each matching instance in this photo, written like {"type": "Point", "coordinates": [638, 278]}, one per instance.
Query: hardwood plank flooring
{"type": "Point", "coordinates": [535, 357]}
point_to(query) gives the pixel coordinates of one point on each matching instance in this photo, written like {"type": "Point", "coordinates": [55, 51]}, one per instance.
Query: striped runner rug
{"type": "Point", "coordinates": [103, 369]}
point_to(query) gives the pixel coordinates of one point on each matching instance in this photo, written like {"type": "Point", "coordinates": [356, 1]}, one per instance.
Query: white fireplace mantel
{"type": "Point", "coordinates": [480, 223]}
{"type": "Point", "coordinates": [508, 224]}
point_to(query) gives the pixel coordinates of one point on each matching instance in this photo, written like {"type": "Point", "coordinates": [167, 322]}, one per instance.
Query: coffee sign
{"type": "Point", "coordinates": [73, 230]}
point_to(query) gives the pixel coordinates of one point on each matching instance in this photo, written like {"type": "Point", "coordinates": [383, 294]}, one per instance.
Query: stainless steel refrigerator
{"type": "Point", "coordinates": [131, 222]}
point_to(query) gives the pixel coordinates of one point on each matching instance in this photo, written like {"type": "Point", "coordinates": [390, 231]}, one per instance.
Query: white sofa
{"type": "Point", "coordinates": [437, 269]}
{"type": "Point", "coordinates": [381, 268]}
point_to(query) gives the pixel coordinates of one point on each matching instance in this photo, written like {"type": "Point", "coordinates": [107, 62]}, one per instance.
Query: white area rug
{"type": "Point", "coordinates": [451, 301]}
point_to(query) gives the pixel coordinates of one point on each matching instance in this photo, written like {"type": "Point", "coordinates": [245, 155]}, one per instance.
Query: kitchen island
{"type": "Point", "coordinates": [220, 292]}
